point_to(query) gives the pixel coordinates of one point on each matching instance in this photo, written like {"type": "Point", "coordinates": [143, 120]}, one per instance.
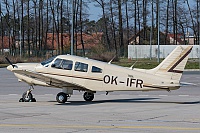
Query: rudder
{"type": "Point", "coordinates": [173, 65]}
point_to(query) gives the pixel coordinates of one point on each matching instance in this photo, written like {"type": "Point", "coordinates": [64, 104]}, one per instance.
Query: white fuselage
{"type": "Point", "coordinates": [77, 73]}
{"type": "Point", "coordinates": [110, 78]}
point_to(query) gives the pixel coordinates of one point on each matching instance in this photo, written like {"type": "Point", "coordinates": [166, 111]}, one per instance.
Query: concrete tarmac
{"type": "Point", "coordinates": [142, 112]}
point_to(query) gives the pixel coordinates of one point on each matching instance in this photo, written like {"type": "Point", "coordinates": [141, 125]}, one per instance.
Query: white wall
{"type": "Point", "coordinates": [143, 51]}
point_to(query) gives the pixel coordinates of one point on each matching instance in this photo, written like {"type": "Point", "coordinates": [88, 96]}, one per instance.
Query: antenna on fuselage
{"type": "Point", "coordinates": [111, 60]}
{"type": "Point", "coordinates": [133, 65]}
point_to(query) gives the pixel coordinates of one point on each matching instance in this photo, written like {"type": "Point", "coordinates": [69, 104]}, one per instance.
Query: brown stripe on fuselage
{"type": "Point", "coordinates": [80, 77]}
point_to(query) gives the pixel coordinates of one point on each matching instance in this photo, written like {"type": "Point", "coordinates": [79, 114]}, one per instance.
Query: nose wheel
{"type": "Point", "coordinates": [27, 96]}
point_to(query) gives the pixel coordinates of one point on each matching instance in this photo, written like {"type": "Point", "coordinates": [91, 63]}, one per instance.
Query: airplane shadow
{"type": "Point", "coordinates": [132, 100]}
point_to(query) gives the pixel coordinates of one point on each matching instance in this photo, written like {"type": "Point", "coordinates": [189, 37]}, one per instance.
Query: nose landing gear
{"type": "Point", "coordinates": [27, 96]}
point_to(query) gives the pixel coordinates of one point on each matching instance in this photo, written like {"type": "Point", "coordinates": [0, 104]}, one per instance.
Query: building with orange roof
{"type": "Point", "coordinates": [52, 42]}
{"type": "Point", "coordinates": [173, 38]}
{"type": "Point", "coordinates": [89, 41]}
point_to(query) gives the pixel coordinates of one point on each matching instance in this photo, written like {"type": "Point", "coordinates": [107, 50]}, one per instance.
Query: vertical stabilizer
{"type": "Point", "coordinates": [173, 65]}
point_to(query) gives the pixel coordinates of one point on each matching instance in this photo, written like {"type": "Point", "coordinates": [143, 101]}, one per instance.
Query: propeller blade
{"type": "Point", "coordinates": [10, 62]}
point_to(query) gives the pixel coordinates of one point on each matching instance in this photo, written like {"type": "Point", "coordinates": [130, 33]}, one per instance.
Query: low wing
{"type": "Point", "coordinates": [48, 79]}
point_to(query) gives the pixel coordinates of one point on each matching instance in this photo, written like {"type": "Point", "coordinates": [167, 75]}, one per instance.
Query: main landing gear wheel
{"type": "Point", "coordinates": [88, 96]}
{"type": "Point", "coordinates": [62, 97]}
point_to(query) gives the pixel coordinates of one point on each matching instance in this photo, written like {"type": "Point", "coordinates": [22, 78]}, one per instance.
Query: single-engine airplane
{"type": "Point", "coordinates": [71, 73]}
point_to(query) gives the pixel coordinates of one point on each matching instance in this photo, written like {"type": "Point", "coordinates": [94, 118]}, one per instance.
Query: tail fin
{"type": "Point", "coordinates": [173, 65]}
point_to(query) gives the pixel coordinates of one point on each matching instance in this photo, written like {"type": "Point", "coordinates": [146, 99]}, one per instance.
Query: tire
{"type": "Point", "coordinates": [61, 97]}
{"type": "Point", "coordinates": [21, 100]}
{"type": "Point", "coordinates": [88, 96]}
{"type": "Point", "coordinates": [33, 100]}
{"type": "Point", "coordinates": [27, 98]}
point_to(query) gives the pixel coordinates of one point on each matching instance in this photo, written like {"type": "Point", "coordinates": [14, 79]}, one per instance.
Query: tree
{"type": "Point", "coordinates": [113, 28]}
{"type": "Point", "coordinates": [121, 43]}
{"type": "Point", "coordinates": [104, 18]}
{"type": "Point", "coordinates": [127, 27]}
{"type": "Point", "coordinates": [81, 26]}
{"type": "Point", "coordinates": [37, 18]}
{"type": "Point", "coordinates": [2, 30]}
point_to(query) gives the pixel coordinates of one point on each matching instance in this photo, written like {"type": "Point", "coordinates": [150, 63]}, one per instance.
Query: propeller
{"type": "Point", "coordinates": [10, 62]}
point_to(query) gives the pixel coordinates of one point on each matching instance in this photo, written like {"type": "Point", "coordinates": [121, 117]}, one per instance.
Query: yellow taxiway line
{"type": "Point", "coordinates": [98, 127]}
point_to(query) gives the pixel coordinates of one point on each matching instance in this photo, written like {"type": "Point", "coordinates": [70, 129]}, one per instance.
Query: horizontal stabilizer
{"type": "Point", "coordinates": [187, 84]}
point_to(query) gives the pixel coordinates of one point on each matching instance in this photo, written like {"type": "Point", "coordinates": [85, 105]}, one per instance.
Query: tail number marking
{"type": "Point", "coordinates": [107, 79]}
{"type": "Point", "coordinates": [138, 83]}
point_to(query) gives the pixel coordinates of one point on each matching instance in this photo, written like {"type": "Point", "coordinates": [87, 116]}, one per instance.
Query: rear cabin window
{"type": "Point", "coordinates": [63, 64]}
{"type": "Point", "coordinates": [96, 69]}
{"type": "Point", "coordinates": [82, 67]}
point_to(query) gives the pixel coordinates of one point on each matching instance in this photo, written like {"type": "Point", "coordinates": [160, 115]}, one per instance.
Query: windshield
{"type": "Point", "coordinates": [46, 62]}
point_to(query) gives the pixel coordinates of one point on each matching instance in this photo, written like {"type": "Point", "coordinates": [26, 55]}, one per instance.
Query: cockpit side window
{"type": "Point", "coordinates": [57, 63]}
{"type": "Point", "coordinates": [62, 64]}
{"type": "Point", "coordinates": [96, 69]}
{"type": "Point", "coordinates": [67, 64]}
{"type": "Point", "coordinates": [82, 67]}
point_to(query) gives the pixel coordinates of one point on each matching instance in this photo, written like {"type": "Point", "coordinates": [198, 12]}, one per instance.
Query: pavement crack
{"type": "Point", "coordinates": [194, 122]}
{"type": "Point", "coordinates": [20, 115]}
{"type": "Point", "coordinates": [153, 118]}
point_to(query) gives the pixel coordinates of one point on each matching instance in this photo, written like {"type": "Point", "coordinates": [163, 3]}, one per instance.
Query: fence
{"type": "Point", "coordinates": [143, 51]}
